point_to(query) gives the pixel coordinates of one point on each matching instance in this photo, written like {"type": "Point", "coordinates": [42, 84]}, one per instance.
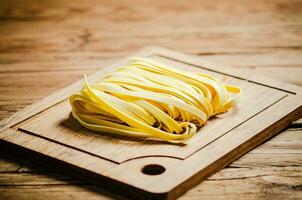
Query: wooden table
{"type": "Point", "coordinates": [47, 45]}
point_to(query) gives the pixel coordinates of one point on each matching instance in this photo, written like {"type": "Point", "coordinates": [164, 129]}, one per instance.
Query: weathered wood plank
{"type": "Point", "coordinates": [50, 192]}
{"type": "Point", "coordinates": [246, 29]}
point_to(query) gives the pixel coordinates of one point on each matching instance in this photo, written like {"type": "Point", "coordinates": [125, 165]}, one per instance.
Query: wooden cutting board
{"type": "Point", "coordinates": [45, 132]}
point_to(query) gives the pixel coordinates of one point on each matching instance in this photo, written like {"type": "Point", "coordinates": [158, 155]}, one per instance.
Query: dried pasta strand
{"type": "Point", "coordinates": [149, 99]}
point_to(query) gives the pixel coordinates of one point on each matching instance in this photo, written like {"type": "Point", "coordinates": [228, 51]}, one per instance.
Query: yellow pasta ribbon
{"type": "Point", "coordinates": [149, 99]}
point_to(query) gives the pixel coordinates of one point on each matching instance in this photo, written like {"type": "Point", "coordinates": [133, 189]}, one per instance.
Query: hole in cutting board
{"type": "Point", "coordinates": [153, 169]}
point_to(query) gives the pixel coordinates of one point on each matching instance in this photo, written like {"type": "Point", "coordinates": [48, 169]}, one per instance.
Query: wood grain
{"type": "Point", "coordinates": [45, 133]}
{"type": "Point", "coordinates": [270, 171]}
{"type": "Point", "coordinates": [59, 40]}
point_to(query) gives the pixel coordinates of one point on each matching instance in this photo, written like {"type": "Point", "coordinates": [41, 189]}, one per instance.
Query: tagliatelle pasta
{"type": "Point", "coordinates": [149, 99]}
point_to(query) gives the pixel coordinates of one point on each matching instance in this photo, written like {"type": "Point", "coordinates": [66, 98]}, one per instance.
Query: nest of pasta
{"type": "Point", "coordinates": [149, 99]}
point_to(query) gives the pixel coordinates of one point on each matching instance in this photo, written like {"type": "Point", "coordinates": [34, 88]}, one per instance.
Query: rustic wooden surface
{"type": "Point", "coordinates": [47, 45]}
